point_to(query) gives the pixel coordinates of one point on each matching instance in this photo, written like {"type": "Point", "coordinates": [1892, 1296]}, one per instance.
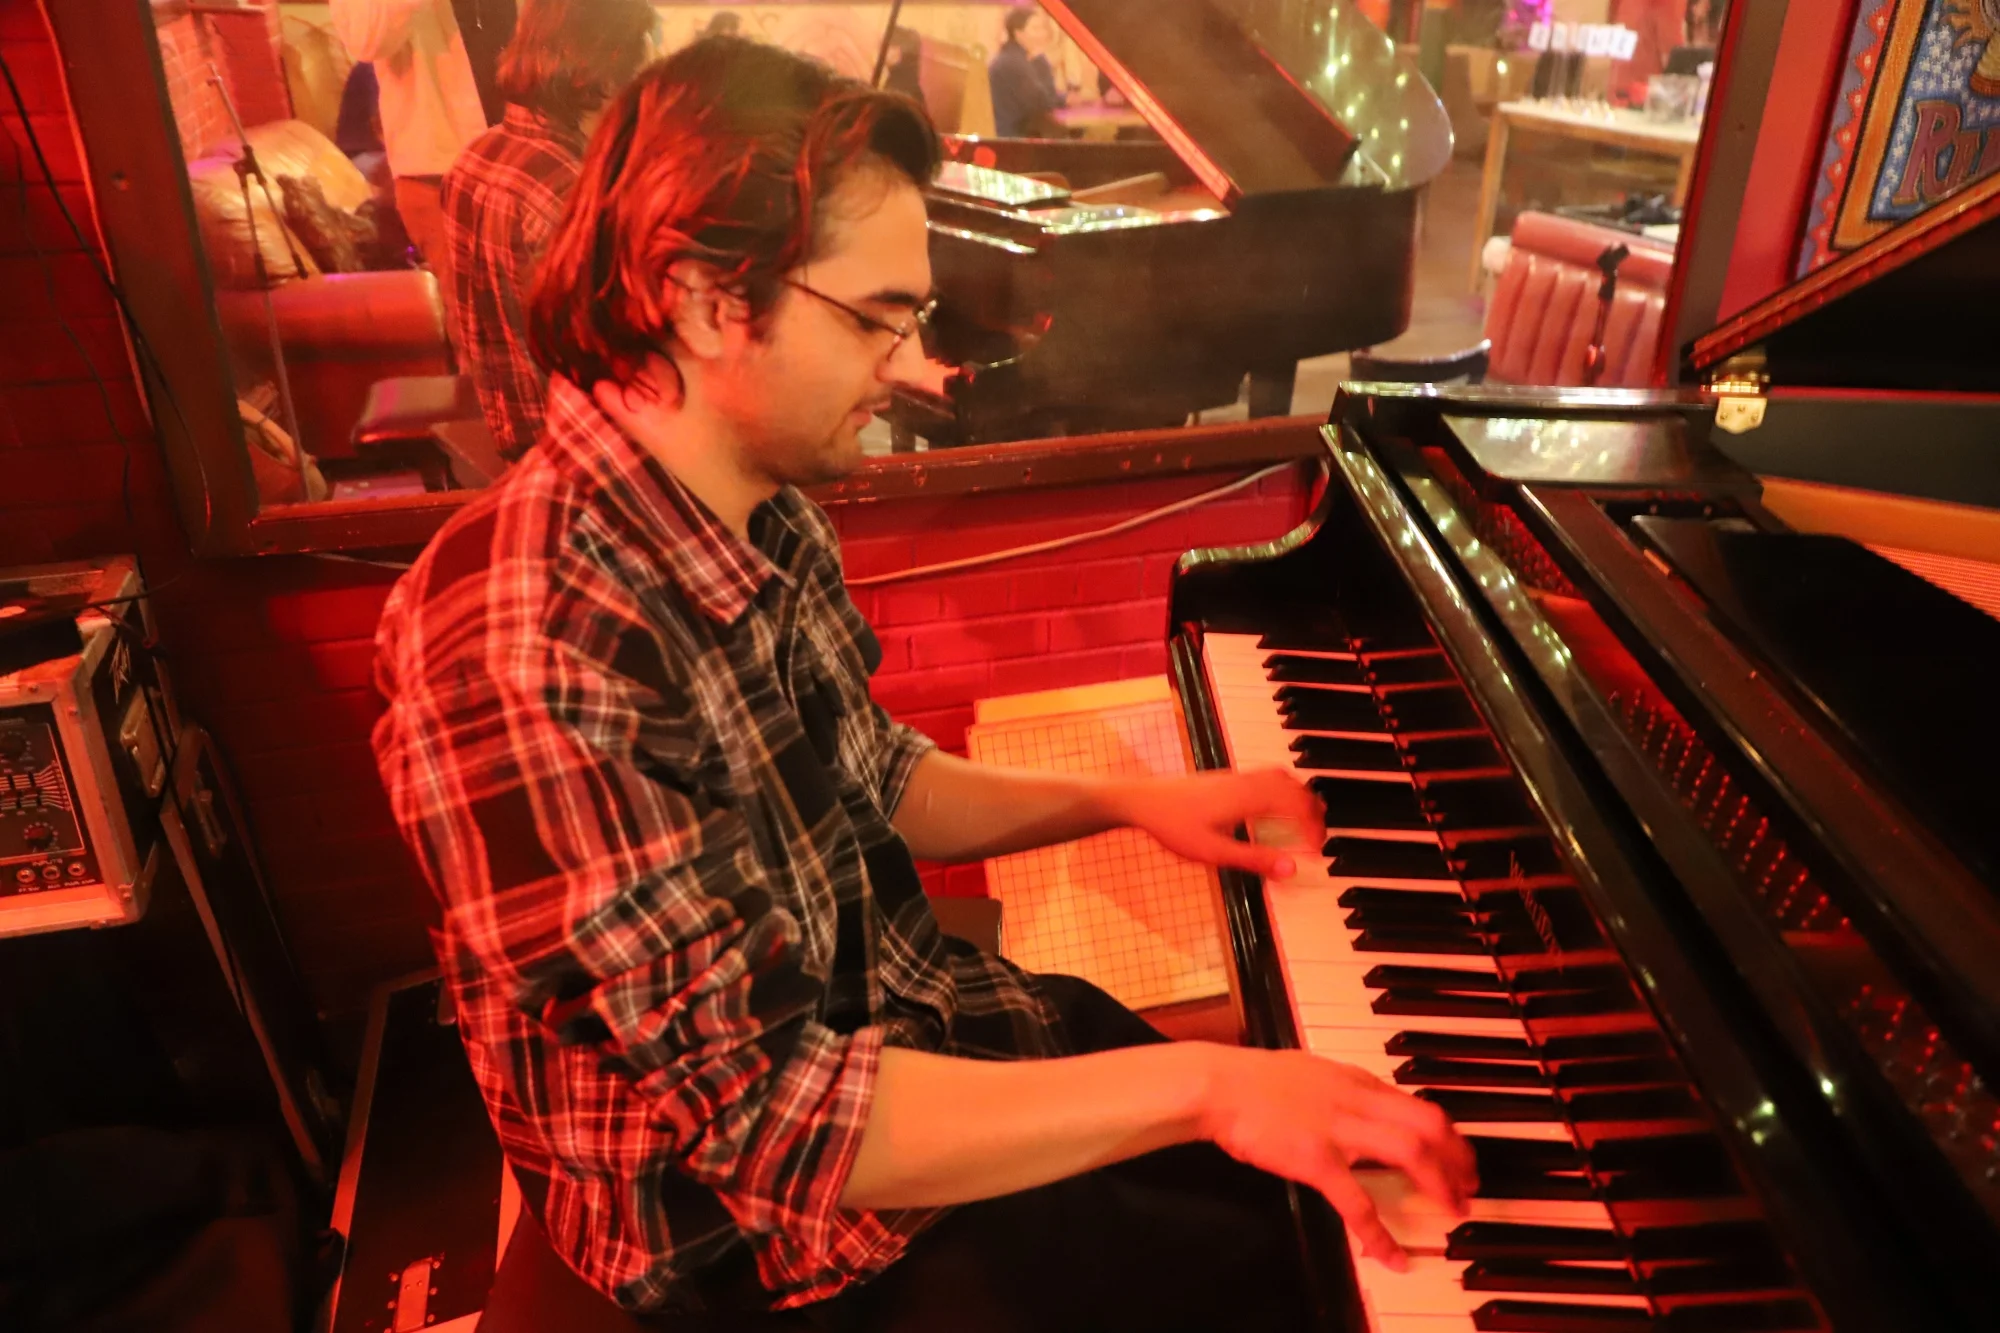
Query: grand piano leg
{"type": "Point", "coordinates": [1271, 390]}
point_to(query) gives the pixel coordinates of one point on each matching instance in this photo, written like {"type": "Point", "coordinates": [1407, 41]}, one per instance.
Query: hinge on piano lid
{"type": "Point", "coordinates": [1738, 387]}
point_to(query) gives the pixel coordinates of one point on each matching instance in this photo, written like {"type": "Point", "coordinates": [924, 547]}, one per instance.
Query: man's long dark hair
{"type": "Point", "coordinates": [567, 58]}
{"type": "Point", "coordinates": [724, 152]}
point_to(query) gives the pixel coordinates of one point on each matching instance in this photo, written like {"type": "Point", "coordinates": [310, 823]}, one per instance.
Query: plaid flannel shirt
{"type": "Point", "coordinates": [638, 762]}
{"type": "Point", "coordinates": [502, 199]}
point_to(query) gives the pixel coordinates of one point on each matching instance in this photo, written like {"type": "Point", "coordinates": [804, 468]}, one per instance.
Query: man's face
{"type": "Point", "coordinates": [800, 394]}
{"type": "Point", "coordinates": [1037, 34]}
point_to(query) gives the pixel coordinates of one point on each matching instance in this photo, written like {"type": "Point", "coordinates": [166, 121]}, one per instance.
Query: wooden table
{"type": "Point", "coordinates": [1618, 127]}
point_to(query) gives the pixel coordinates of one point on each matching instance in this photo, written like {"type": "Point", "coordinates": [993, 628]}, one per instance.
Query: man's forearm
{"type": "Point", "coordinates": [945, 1130]}
{"type": "Point", "coordinates": [954, 810]}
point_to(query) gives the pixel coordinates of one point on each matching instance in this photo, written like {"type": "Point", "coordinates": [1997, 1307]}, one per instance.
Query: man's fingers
{"type": "Point", "coordinates": [1258, 859]}
{"type": "Point", "coordinates": [1358, 1211]}
{"type": "Point", "coordinates": [1281, 794]}
{"type": "Point", "coordinates": [1401, 1148]}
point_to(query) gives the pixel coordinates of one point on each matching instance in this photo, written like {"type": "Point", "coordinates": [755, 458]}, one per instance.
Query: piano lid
{"type": "Point", "coordinates": [1903, 312]}
{"type": "Point", "coordinates": [1261, 99]}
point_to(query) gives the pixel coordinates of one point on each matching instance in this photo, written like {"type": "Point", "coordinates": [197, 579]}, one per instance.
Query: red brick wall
{"type": "Point", "coordinates": [1074, 616]}
{"type": "Point", "coordinates": [273, 655]}
{"type": "Point", "coordinates": [245, 50]}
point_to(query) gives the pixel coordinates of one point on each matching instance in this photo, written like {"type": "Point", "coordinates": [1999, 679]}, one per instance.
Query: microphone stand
{"type": "Point", "coordinates": [888, 35]}
{"type": "Point", "coordinates": [246, 167]}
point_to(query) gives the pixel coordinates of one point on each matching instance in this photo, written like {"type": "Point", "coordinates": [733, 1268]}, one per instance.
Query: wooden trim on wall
{"type": "Point", "coordinates": [399, 524]}
{"type": "Point", "coordinates": [1738, 104]}
{"type": "Point", "coordinates": [145, 210]}
{"type": "Point", "coordinates": [1083, 460]}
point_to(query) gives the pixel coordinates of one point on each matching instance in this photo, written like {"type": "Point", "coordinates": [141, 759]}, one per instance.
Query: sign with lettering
{"type": "Point", "coordinates": [1917, 119]}
{"type": "Point", "coordinates": [1593, 39]}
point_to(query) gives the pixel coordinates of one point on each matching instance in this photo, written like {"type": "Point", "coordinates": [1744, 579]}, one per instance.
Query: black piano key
{"type": "Point", "coordinates": [1615, 1073]}
{"type": "Point", "coordinates": [1430, 1071]}
{"type": "Point", "coordinates": [1364, 895]}
{"type": "Point", "coordinates": [1768, 1316]}
{"type": "Point", "coordinates": [1319, 630]}
{"type": "Point", "coordinates": [1350, 756]}
{"type": "Point", "coordinates": [1434, 1004]}
{"type": "Point", "coordinates": [1358, 858]}
{"type": "Point", "coordinates": [1706, 1240]}
{"type": "Point", "coordinates": [1476, 803]}
{"type": "Point", "coordinates": [1399, 976]}
{"type": "Point", "coordinates": [1663, 1185]}
{"type": "Point", "coordinates": [1307, 709]}
{"type": "Point", "coordinates": [1506, 858]}
{"type": "Point", "coordinates": [1358, 803]}
{"type": "Point", "coordinates": [1667, 1103]}
{"type": "Point", "coordinates": [1409, 669]}
{"type": "Point", "coordinates": [1445, 708]}
{"type": "Point", "coordinates": [1474, 1106]}
{"type": "Point", "coordinates": [1434, 942]}
{"type": "Point", "coordinates": [1287, 669]}
{"type": "Point", "coordinates": [1522, 1184]}
{"type": "Point", "coordinates": [1473, 1241]}
{"type": "Point", "coordinates": [1536, 1275]}
{"type": "Point", "coordinates": [1454, 754]}
{"type": "Point", "coordinates": [1679, 1152]}
{"type": "Point", "coordinates": [1550, 1317]}
{"type": "Point", "coordinates": [1676, 1175]}
{"type": "Point", "coordinates": [1580, 1004]}
{"type": "Point", "coordinates": [1718, 1277]}
{"type": "Point", "coordinates": [1605, 1045]}
{"type": "Point", "coordinates": [1553, 980]}
{"type": "Point", "coordinates": [1412, 921]}
{"type": "Point", "coordinates": [1503, 1156]}
{"type": "Point", "coordinates": [1459, 1045]}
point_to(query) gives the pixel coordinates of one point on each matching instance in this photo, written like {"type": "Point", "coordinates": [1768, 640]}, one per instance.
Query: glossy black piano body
{"type": "Point", "coordinates": [1761, 761]}
{"type": "Point", "coordinates": [1293, 150]}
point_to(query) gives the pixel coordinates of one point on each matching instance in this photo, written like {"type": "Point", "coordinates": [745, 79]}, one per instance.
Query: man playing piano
{"type": "Point", "coordinates": [736, 1069]}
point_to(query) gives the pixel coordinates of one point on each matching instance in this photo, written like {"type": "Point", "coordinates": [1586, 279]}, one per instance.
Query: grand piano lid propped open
{"type": "Point", "coordinates": [1131, 284]}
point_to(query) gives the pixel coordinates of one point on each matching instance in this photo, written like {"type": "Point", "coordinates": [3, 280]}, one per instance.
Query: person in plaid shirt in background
{"type": "Point", "coordinates": [742, 1078]}
{"type": "Point", "coordinates": [504, 195]}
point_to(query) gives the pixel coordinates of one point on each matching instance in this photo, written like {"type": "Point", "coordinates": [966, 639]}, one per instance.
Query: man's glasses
{"type": "Point", "coordinates": [919, 321]}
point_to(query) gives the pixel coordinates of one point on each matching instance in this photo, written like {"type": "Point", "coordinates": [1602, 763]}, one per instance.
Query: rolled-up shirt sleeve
{"type": "Point", "coordinates": [664, 1045]}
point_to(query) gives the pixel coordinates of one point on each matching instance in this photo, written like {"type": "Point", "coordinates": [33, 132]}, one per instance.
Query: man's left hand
{"type": "Point", "coordinates": [1195, 817]}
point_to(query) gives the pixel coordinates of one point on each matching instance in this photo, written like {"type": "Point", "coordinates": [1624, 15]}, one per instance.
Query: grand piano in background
{"type": "Point", "coordinates": [1664, 825]}
{"type": "Point", "coordinates": [1274, 219]}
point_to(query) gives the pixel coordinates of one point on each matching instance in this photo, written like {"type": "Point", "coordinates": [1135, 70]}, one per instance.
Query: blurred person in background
{"type": "Point", "coordinates": [1025, 96]}
{"type": "Point", "coordinates": [434, 63]}
{"type": "Point", "coordinates": [505, 194]}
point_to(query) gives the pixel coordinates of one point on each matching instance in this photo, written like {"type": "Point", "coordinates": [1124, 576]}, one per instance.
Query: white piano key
{"type": "Point", "coordinates": [1420, 1223]}
{"type": "Point", "coordinates": [1432, 1286]}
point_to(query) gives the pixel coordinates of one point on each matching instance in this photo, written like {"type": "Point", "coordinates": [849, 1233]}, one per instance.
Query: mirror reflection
{"type": "Point", "coordinates": [1188, 210]}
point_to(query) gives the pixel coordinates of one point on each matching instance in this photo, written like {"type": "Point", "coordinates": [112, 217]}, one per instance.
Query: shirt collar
{"type": "Point", "coordinates": [532, 124]}
{"type": "Point", "coordinates": [719, 571]}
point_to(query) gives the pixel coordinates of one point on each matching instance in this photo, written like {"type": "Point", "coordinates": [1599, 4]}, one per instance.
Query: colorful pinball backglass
{"type": "Point", "coordinates": [1916, 121]}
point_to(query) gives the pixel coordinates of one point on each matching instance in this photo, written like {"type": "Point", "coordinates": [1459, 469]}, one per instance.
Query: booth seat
{"type": "Point", "coordinates": [1544, 310]}
{"type": "Point", "coordinates": [341, 332]}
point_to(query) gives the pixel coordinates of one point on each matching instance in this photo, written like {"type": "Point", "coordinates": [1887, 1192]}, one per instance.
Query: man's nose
{"type": "Point", "coordinates": [905, 365]}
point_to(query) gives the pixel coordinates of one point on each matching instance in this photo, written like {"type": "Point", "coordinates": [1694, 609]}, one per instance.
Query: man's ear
{"type": "Point", "coordinates": [703, 311]}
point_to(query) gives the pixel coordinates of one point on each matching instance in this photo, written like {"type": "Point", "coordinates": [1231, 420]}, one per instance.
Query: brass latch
{"type": "Point", "coordinates": [1738, 389]}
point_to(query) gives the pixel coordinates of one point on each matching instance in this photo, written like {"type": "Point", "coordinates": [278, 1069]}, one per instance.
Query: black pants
{"type": "Point", "coordinates": [1182, 1239]}
{"type": "Point", "coordinates": [1186, 1238]}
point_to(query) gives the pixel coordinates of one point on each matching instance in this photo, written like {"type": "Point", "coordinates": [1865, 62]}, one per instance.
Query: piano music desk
{"type": "Point", "coordinates": [1619, 128]}
{"type": "Point", "coordinates": [1097, 120]}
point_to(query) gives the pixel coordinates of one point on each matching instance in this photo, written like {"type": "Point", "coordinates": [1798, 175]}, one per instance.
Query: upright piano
{"type": "Point", "coordinates": [1103, 286]}
{"type": "Point", "coordinates": [1663, 833]}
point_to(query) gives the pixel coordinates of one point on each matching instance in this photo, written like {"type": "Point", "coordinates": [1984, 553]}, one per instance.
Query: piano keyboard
{"type": "Point", "coordinates": [1434, 940]}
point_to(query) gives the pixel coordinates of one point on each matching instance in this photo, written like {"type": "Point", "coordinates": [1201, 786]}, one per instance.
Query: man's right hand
{"type": "Point", "coordinates": [1310, 1119]}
